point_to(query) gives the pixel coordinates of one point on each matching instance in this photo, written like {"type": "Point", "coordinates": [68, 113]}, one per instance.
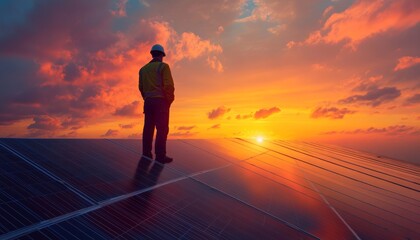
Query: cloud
{"type": "Point", "coordinates": [215, 126]}
{"type": "Point", "coordinates": [215, 64]}
{"type": "Point", "coordinates": [244, 116]}
{"type": "Point", "coordinates": [45, 122]}
{"type": "Point", "coordinates": [394, 130]}
{"type": "Point", "coordinates": [71, 72]}
{"type": "Point", "coordinates": [264, 113]}
{"type": "Point", "coordinates": [127, 126]}
{"type": "Point", "coordinates": [327, 11]}
{"type": "Point", "coordinates": [218, 112]}
{"type": "Point", "coordinates": [331, 112]}
{"type": "Point", "coordinates": [374, 96]}
{"type": "Point", "coordinates": [183, 134]}
{"type": "Point", "coordinates": [220, 30]}
{"type": "Point", "coordinates": [413, 100]}
{"type": "Point", "coordinates": [365, 19]}
{"type": "Point", "coordinates": [406, 62]}
{"type": "Point", "coordinates": [110, 133]}
{"type": "Point", "coordinates": [183, 128]}
{"type": "Point", "coordinates": [133, 109]}
{"type": "Point", "coordinates": [71, 134]}
{"type": "Point", "coordinates": [121, 8]}
{"type": "Point", "coordinates": [185, 45]}
{"type": "Point", "coordinates": [135, 136]}
{"type": "Point", "coordinates": [266, 11]}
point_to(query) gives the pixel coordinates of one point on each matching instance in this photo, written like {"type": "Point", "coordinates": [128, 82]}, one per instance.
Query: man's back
{"type": "Point", "coordinates": [155, 80]}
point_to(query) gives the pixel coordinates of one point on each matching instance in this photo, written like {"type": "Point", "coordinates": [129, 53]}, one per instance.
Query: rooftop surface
{"type": "Point", "coordinates": [214, 189]}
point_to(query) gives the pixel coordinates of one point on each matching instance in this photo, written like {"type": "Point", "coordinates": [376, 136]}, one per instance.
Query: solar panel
{"type": "Point", "coordinates": [225, 188]}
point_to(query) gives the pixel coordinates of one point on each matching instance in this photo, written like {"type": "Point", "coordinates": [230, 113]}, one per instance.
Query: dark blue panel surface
{"type": "Point", "coordinates": [28, 196]}
{"type": "Point", "coordinates": [98, 168]}
{"type": "Point", "coordinates": [229, 189]}
{"type": "Point", "coordinates": [185, 209]}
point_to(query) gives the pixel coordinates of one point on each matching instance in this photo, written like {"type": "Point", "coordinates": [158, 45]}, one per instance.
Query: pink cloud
{"type": "Point", "coordinates": [331, 112]}
{"type": "Point", "coordinates": [218, 112]}
{"type": "Point", "coordinates": [265, 113]}
{"type": "Point", "coordinates": [406, 62]}
{"type": "Point", "coordinates": [366, 18]}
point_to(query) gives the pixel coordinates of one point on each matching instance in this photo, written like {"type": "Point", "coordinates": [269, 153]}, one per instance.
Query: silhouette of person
{"type": "Point", "coordinates": [157, 89]}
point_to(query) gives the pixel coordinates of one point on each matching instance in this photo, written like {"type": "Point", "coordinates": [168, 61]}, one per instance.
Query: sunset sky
{"type": "Point", "coordinates": [345, 72]}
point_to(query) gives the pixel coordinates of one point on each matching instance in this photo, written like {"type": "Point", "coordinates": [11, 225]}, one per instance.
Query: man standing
{"type": "Point", "coordinates": [157, 89]}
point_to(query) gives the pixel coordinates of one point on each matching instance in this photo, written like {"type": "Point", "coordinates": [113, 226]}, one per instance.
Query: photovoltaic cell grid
{"type": "Point", "coordinates": [230, 188]}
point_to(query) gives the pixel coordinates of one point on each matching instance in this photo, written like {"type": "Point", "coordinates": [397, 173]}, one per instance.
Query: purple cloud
{"type": "Point", "coordinates": [374, 96]}
{"type": "Point", "coordinates": [110, 133]}
{"type": "Point", "coordinates": [395, 130]}
{"type": "Point", "coordinates": [332, 112]}
{"type": "Point", "coordinates": [133, 109]}
{"type": "Point", "coordinates": [413, 100]}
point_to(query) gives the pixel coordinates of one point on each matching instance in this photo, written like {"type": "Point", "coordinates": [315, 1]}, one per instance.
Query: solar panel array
{"type": "Point", "coordinates": [214, 189]}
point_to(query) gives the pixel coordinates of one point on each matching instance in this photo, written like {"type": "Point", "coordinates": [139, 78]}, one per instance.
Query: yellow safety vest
{"type": "Point", "coordinates": [155, 81]}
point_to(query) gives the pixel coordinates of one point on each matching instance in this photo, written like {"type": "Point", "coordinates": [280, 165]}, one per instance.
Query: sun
{"type": "Point", "coordinates": [260, 139]}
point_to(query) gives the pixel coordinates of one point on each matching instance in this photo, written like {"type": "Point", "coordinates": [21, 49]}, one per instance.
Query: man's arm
{"type": "Point", "coordinates": [141, 84]}
{"type": "Point", "coordinates": [168, 84]}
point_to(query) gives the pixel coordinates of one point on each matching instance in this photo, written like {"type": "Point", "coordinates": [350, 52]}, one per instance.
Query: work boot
{"type": "Point", "coordinates": [164, 159]}
{"type": "Point", "coordinates": [148, 155]}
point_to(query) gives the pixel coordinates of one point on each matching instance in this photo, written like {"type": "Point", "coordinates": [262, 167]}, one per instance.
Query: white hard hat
{"type": "Point", "coordinates": [159, 48]}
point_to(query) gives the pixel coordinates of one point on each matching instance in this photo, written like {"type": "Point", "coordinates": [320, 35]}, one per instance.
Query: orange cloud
{"type": "Point", "coordinates": [127, 126]}
{"type": "Point", "coordinates": [218, 112]}
{"type": "Point", "coordinates": [215, 64]}
{"type": "Point", "coordinates": [215, 126]}
{"type": "Point", "coordinates": [244, 116]}
{"type": "Point", "coordinates": [265, 113]}
{"type": "Point", "coordinates": [367, 18]}
{"type": "Point", "coordinates": [332, 112]}
{"type": "Point", "coordinates": [406, 62]}
{"type": "Point", "coordinates": [186, 45]}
